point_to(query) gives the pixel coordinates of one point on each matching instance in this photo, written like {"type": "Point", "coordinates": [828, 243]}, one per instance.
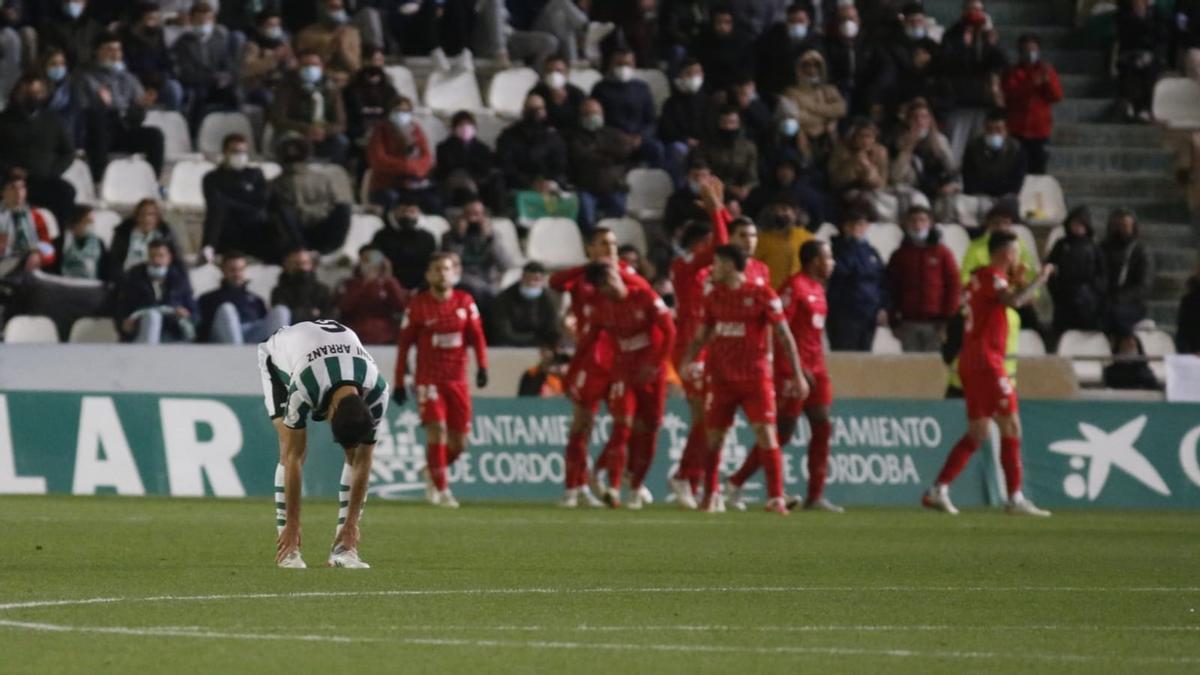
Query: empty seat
{"type": "Point", "coordinates": [1077, 343]}
{"type": "Point", "coordinates": [105, 222]}
{"type": "Point", "coordinates": [128, 181]}
{"type": "Point", "coordinates": [177, 139]}
{"type": "Point", "coordinates": [507, 90]}
{"type": "Point", "coordinates": [1026, 236]}
{"type": "Point", "coordinates": [80, 177]}
{"type": "Point", "coordinates": [204, 279]}
{"type": "Point", "coordinates": [885, 342]}
{"type": "Point", "coordinates": [262, 279]}
{"type": "Point", "coordinates": [1177, 103]}
{"type": "Point", "coordinates": [649, 190]}
{"type": "Point", "coordinates": [510, 277]}
{"type": "Point", "coordinates": [956, 239]}
{"type": "Point", "coordinates": [452, 91]}
{"type": "Point", "coordinates": [402, 79]}
{"type": "Point", "coordinates": [94, 330]}
{"type": "Point", "coordinates": [885, 238]}
{"type": "Point", "coordinates": [435, 225]}
{"type": "Point", "coordinates": [270, 170]}
{"type": "Point", "coordinates": [362, 230]}
{"type": "Point", "coordinates": [433, 126]}
{"type": "Point", "coordinates": [556, 243]}
{"type": "Point", "coordinates": [1042, 201]}
{"type": "Point", "coordinates": [217, 125]}
{"type": "Point", "coordinates": [584, 78]}
{"type": "Point", "coordinates": [628, 231]}
{"type": "Point", "coordinates": [489, 126]}
{"type": "Point", "coordinates": [507, 240]}
{"type": "Point", "coordinates": [1156, 343]}
{"type": "Point", "coordinates": [186, 186]}
{"type": "Point", "coordinates": [1029, 343]}
{"type": "Point", "coordinates": [29, 329]}
{"type": "Point", "coordinates": [660, 86]}
{"type": "Point", "coordinates": [826, 232]}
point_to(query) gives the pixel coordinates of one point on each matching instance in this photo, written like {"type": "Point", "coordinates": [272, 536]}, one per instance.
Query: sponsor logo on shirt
{"type": "Point", "coordinates": [632, 344]}
{"type": "Point", "coordinates": [447, 340]}
{"type": "Point", "coordinates": [731, 329]}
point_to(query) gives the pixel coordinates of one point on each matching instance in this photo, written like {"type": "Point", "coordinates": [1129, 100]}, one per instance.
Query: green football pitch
{"type": "Point", "coordinates": [150, 585]}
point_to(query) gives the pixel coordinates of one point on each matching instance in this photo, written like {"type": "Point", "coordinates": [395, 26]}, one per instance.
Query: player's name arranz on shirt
{"type": "Point", "coordinates": [334, 350]}
{"type": "Point", "coordinates": [310, 389]}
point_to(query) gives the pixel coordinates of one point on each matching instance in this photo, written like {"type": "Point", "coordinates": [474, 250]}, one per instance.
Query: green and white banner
{"type": "Point", "coordinates": [884, 452]}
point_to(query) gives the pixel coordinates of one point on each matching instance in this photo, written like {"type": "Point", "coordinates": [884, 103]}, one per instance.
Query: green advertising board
{"type": "Point", "coordinates": [884, 452]}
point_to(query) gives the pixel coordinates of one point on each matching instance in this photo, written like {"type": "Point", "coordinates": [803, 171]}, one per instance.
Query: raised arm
{"type": "Point", "coordinates": [562, 280]}
{"type": "Point", "coordinates": [1019, 296]}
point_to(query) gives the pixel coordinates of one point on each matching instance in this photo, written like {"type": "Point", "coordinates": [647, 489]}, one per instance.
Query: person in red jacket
{"type": "Point", "coordinates": [372, 301]}
{"type": "Point", "coordinates": [401, 162]}
{"type": "Point", "coordinates": [923, 284]}
{"type": "Point", "coordinates": [1031, 88]}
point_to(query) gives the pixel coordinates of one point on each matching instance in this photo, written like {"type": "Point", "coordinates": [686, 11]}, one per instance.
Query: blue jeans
{"type": "Point", "coordinates": [592, 206]}
{"type": "Point", "coordinates": [228, 328]}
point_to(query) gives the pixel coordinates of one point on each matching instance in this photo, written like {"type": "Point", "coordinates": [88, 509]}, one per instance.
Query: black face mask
{"type": "Point", "coordinates": [406, 223]}
{"type": "Point", "coordinates": [533, 118]}
{"type": "Point", "coordinates": [474, 227]}
{"type": "Point", "coordinates": [31, 106]}
{"type": "Point", "coordinates": [728, 135]}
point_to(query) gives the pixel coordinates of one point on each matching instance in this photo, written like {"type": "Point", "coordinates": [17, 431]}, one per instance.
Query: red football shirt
{"type": "Point", "coordinates": [741, 320]}
{"type": "Point", "coordinates": [584, 299]}
{"type": "Point", "coordinates": [985, 333]}
{"type": "Point", "coordinates": [804, 304]}
{"type": "Point", "coordinates": [441, 330]}
{"type": "Point", "coordinates": [640, 325]}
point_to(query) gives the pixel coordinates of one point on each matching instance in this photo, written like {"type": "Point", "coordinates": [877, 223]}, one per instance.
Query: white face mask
{"type": "Point", "coordinates": [532, 292]}
{"type": "Point", "coordinates": [798, 31]}
{"type": "Point", "coordinates": [623, 73]}
{"type": "Point", "coordinates": [238, 160]}
{"type": "Point", "coordinates": [691, 84]}
{"type": "Point", "coordinates": [401, 118]}
{"type": "Point", "coordinates": [789, 127]}
{"type": "Point", "coordinates": [919, 235]}
{"type": "Point", "coordinates": [994, 141]}
{"type": "Point", "coordinates": [850, 29]}
{"type": "Point", "coordinates": [555, 80]}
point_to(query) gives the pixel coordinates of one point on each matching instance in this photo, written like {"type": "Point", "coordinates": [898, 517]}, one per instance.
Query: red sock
{"type": "Point", "coordinates": [615, 453]}
{"type": "Point", "coordinates": [576, 459]}
{"type": "Point", "coordinates": [749, 467]}
{"type": "Point", "coordinates": [452, 456]}
{"type": "Point", "coordinates": [435, 460]}
{"type": "Point", "coordinates": [642, 447]}
{"type": "Point", "coordinates": [691, 464]}
{"type": "Point", "coordinates": [772, 461]}
{"type": "Point", "coordinates": [818, 458]}
{"type": "Point", "coordinates": [957, 461]}
{"type": "Point", "coordinates": [712, 472]}
{"type": "Point", "coordinates": [1010, 459]}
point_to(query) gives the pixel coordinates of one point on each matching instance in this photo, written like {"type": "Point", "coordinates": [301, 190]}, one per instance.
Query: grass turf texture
{"type": "Point", "coordinates": [533, 589]}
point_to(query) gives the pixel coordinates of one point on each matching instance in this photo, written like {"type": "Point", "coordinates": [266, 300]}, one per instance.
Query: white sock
{"type": "Point", "coordinates": [280, 500]}
{"type": "Point", "coordinates": [344, 498]}
{"type": "Point", "coordinates": [1016, 497]}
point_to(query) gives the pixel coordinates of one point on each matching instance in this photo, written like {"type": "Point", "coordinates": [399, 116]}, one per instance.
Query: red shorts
{"type": "Point", "coordinates": [792, 406]}
{"type": "Point", "coordinates": [646, 401]}
{"type": "Point", "coordinates": [693, 380]}
{"type": "Point", "coordinates": [755, 397]}
{"type": "Point", "coordinates": [988, 393]}
{"type": "Point", "coordinates": [587, 386]}
{"type": "Point", "coordinates": [447, 402]}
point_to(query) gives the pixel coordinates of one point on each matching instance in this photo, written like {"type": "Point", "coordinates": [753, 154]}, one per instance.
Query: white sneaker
{"type": "Point", "coordinates": [823, 504]}
{"type": "Point", "coordinates": [348, 560]}
{"type": "Point", "coordinates": [636, 502]}
{"type": "Point", "coordinates": [446, 500]}
{"type": "Point", "coordinates": [612, 498]}
{"type": "Point", "coordinates": [592, 500]}
{"type": "Point", "coordinates": [736, 500]}
{"type": "Point", "coordinates": [714, 504]}
{"type": "Point", "coordinates": [440, 62]}
{"type": "Point", "coordinates": [598, 486]}
{"type": "Point", "coordinates": [938, 499]}
{"type": "Point", "coordinates": [570, 499]}
{"type": "Point", "coordinates": [431, 491]}
{"type": "Point", "coordinates": [1023, 507]}
{"type": "Point", "coordinates": [645, 495]}
{"type": "Point", "coordinates": [293, 562]}
{"type": "Point", "coordinates": [683, 493]}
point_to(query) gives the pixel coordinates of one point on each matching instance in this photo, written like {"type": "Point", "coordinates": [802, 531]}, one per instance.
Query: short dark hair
{"type": "Point", "coordinates": [856, 211]}
{"type": "Point", "coordinates": [799, 7]}
{"type": "Point", "coordinates": [533, 267]}
{"type": "Point", "coordinates": [1000, 240]}
{"type": "Point", "coordinates": [232, 255]}
{"type": "Point", "coordinates": [15, 175]}
{"type": "Point", "coordinates": [351, 422]}
{"type": "Point", "coordinates": [628, 248]}
{"type": "Point", "coordinates": [1027, 38]}
{"type": "Point", "coordinates": [811, 250]}
{"type": "Point", "coordinates": [696, 163]}
{"type": "Point", "coordinates": [460, 117]}
{"type": "Point", "coordinates": [160, 243]}
{"type": "Point", "coordinates": [694, 232]}
{"type": "Point", "coordinates": [104, 39]}
{"type": "Point", "coordinates": [265, 15]}
{"type": "Point", "coordinates": [598, 232]}
{"type": "Point", "coordinates": [997, 115]}
{"type": "Point", "coordinates": [596, 273]}
{"type": "Point", "coordinates": [230, 139]}
{"type": "Point", "coordinates": [78, 214]}
{"type": "Point", "coordinates": [740, 222]}
{"type": "Point", "coordinates": [918, 209]}
{"type": "Point", "coordinates": [999, 211]}
{"type": "Point", "coordinates": [439, 257]}
{"type": "Point", "coordinates": [733, 254]}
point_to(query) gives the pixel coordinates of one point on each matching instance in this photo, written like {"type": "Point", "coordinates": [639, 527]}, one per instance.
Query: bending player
{"type": "Point", "coordinates": [319, 369]}
{"type": "Point", "coordinates": [803, 297]}
{"type": "Point", "coordinates": [442, 322]}
{"type": "Point", "coordinates": [988, 391]}
{"type": "Point", "coordinates": [738, 319]}
{"type": "Point", "coordinates": [642, 331]}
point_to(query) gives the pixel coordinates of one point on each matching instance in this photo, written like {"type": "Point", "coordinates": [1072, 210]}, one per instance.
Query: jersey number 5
{"type": "Point", "coordinates": [330, 326]}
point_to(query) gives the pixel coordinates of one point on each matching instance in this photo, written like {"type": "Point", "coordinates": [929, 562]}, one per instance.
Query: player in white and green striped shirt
{"type": "Point", "coordinates": [319, 369]}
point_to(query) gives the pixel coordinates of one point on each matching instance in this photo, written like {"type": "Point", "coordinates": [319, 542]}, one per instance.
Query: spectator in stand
{"type": "Point", "coordinates": [790, 148]}
{"type": "Point", "coordinates": [498, 38]}
{"type": "Point", "coordinates": [1187, 37]}
{"type": "Point", "coordinates": [781, 46]}
{"type": "Point", "coordinates": [856, 66]}
{"type": "Point", "coordinates": [205, 58]}
{"type": "Point", "coordinates": [309, 104]}
{"type": "Point", "coordinates": [154, 301]}
{"type": "Point", "coordinates": [34, 138]}
{"type": "Point", "coordinates": [482, 261]}
{"type": "Point", "coordinates": [548, 378]}
{"type": "Point", "coordinates": [69, 26]}
{"type": "Point", "coordinates": [562, 99]}
{"type": "Point", "coordinates": [337, 41]}
{"type": "Point", "coordinates": [114, 105]}
{"type": "Point", "coordinates": [817, 105]}
{"type": "Point", "coordinates": [1141, 56]}
{"type": "Point", "coordinates": [231, 314]}
{"type": "Point", "coordinates": [1187, 323]}
{"type": "Point", "coordinates": [237, 199]}
{"type": "Point", "coordinates": [1080, 280]}
{"type": "Point", "coordinates": [466, 167]}
{"type": "Point", "coordinates": [80, 254]}
{"type": "Point", "coordinates": [401, 161]}
{"type": "Point", "coordinates": [299, 289]}
{"type": "Point", "coordinates": [858, 171]}
{"type": "Point", "coordinates": [25, 243]}
{"type": "Point", "coordinates": [1129, 369]}
{"type": "Point", "coordinates": [147, 56]}
{"type": "Point", "coordinates": [754, 17]}
{"type": "Point", "coordinates": [266, 58]}
{"type": "Point", "coordinates": [857, 294]}
{"type": "Point", "coordinates": [993, 171]}
{"type": "Point", "coordinates": [524, 314]}
{"type": "Point", "coordinates": [64, 95]}
{"type": "Point", "coordinates": [306, 201]}
{"type": "Point", "coordinates": [599, 159]}
{"type": "Point", "coordinates": [922, 284]}
{"type": "Point", "coordinates": [681, 24]}
{"type": "Point", "coordinates": [684, 204]}
{"type": "Point", "coordinates": [629, 107]}
{"type": "Point", "coordinates": [756, 116]}
{"type": "Point", "coordinates": [1031, 87]}
{"type": "Point", "coordinates": [368, 98]}
{"type": "Point", "coordinates": [908, 49]}
{"type": "Point", "coordinates": [1130, 272]}
{"type": "Point", "coordinates": [10, 48]}
{"type": "Point", "coordinates": [372, 302]}
{"type": "Point", "coordinates": [922, 158]}
{"type": "Point", "coordinates": [407, 247]}
{"type": "Point", "coordinates": [134, 235]}
{"type": "Point", "coordinates": [532, 154]}
{"type": "Point", "coordinates": [781, 232]}
{"type": "Point", "coordinates": [922, 80]}
{"type": "Point", "coordinates": [731, 155]}
{"type": "Point", "coordinates": [726, 51]}
{"type": "Point", "coordinates": [971, 61]}
{"type": "Point", "coordinates": [687, 117]}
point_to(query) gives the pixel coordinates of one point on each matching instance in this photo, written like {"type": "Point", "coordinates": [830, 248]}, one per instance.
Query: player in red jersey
{"type": "Point", "coordinates": [739, 317]}
{"type": "Point", "coordinates": [589, 375]}
{"type": "Point", "coordinates": [642, 330]}
{"type": "Point", "coordinates": [803, 297]}
{"type": "Point", "coordinates": [988, 391]}
{"type": "Point", "coordinates": [442, 323]}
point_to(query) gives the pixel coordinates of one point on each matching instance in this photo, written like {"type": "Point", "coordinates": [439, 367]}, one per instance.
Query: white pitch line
{"type": "Point", "coordinates": [690, 628]}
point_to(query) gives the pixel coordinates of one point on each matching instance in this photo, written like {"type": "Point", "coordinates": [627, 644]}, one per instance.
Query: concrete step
{"type": "Point", "coordinates": [1106, 135]}
{"type": "Point", "coordinates": [1078, 185]}
{"type": "Point", "coordinates": [1078, 158]}
{"type": "Point", "coordinates": [1082, 85]}
{"type": "Point", "coordinates": [1080, 109]}
{"type": "Point", "coordinates": [1182, 258]}
{"type": "Point", "coordinates": [1170, 284]}
{"type": "Point", "coordinates": [1051, 36]}
{"type": "Point", "coordinates": [1165, 313]}
{"type": "Point", "coordinates": [1023, 12]}
{"type": "Point", "coordinates": [1075, 61]}
{"type": "Point", "coordinates": [1166, 217]}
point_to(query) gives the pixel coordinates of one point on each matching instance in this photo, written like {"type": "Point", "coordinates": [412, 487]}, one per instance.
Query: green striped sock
{"type": "Point", "coordinates": [280, 500]}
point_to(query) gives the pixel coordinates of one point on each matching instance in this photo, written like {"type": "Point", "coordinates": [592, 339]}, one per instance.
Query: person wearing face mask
{"type": "Point", "coordinates": [69, 25]}
{"type": "Point", "coordinates": [562, 98]}
{"type": "Point", "coordinates": [904, 44]}
{"type": "Point", "coordinates": [335, 39]}
{"type": "Point", "coordinates": [1130, 267]}
{"type": "Point", "coordinates": [815, 104]}
{"type": "Point", "coordinates": [372, 302]}
{"type": "Point", "coordinates": [1080, 282]}
{"type": "Point", "coordinates": [629, 107]}
{"type": "Point", "coordinates": [781, 45]}
{"type": "Point", "coordinates": [923, 284]}
{"type": "Point", "coordinates": [35, 139]}
{"type": "Point", "coordinates": [147, 55]}
{"type": "Point", "coordinates": [133, 236]}
{"type": "Point", "coordinates": [307, 202]}
{"type": "Point", "coordinates": [367, 98]}
{"type": "Point", "coordinates": [787, 179]}
{"type": "Point", "coordinates": [466, 167]}
{"type": "Point", "coordinates": [726, 51]}
{"type": "Point", "coordinates": [299, 289]}
{"type": "Point", "coordinates": [204, 59]}
{"type": "Point", "coordinates": [858, 170]}
{"type": "Point", "coordinates": [686, 118]}
{"type": "Point", "coordinates": [266, 58]}
{"type": "Point", "coordinates": [971, 61]}
{"type": "Point", "coordinates": [532, 154]}
{"type": "Point", "coordinates": [858, 66]}
{"type": "Point", "coordinates": [757, 122]}
{"type": "Point", "coordinates": [1031, 88]}
{"type": "Point", "coordinates": [525, 314]}
{"type": "Point", "coordinates": [599, 159]}
{"type": "Point", "coordinates": [407, 246]}
{"type": "Point", "coordinates": [237, 199]}
{"type": "Point", "coordinates": [993, 167]}
{"type": "Point", "coordinates": [921, 156]}
{"type": "Point", "coordinates": [732, 156]}
{"type": "Point", "coordinates": [64, 100]}
{"type": "Point", "coordinates": [401, 161]}
{"type": "Point", "coordinates": [114, 104]}
{"type": "Point", "coordinates": [80, 254]}
{"type": "Point", "coordinates": [483, 262]}
{"type": "Point", "coordinates": [309, 103]}
{"type": "Point", "coordinates": [685, 205]}
{"type": "Point", "coordinates": [232, 313]}
{"type": "Point", "coordinates": [154, 300]}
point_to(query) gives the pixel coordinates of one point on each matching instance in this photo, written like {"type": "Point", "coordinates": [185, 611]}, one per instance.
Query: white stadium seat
{"type": "Point", "coordinates": [100, 330]}
{"type": "Point", "coordinates": [584, 78]}
{"type": "Point", "coordinates": [1029, 343]}
{"type": "Point", "coordinates": [204, 279]}
{"type": "Point", "coordinates": [402, 79]}
{"type": "Point", "coordinates": [649, 190]}
{"type": "Point", "coordinates": [362, 231]}
{"type": "Point", "coordinates": [52, 227]}
{"type": "Point", "coordinates": [186, 186]}
{"type": "Point", "coordinates": [433, 126]}
{"type": "Point", "coordinates": [489, 126]}
{"type": "Point", "coordinates": [1057, 232]}
{"type": "Point", "coordinates": [508, 88]}
{"type": "Point", "coordinates": [885, 238]}
{"type": "Point", "coordinates": [1177, 103]}
{"type": "Point", "coordinates": [510, 277]}
{"type": "Point", "coordinates": [660, 86]}
{"type": "Point", "coordinates": [556, 243]}
{"type": "Point", "coordinates": [826, 232]}
{"type": "Point", "coordinates": [956, 239]}
{"type": "Point", "coordinates": [262, 279]}
{"type": "Point", "coordinates": [450, 92]}
{"type": "Point", "coordinates": [270, 170]}
{"type": "Point", "coordinates": [1026, 236]}
{"type": "Point", "coordinates": [105, 224]}
{"type": "Point", "coordinates": [217, 125]}
{"type": "Point", "coordinates": [1159, 343]}
{"type": "Point", "coordinates": [1075, 343]}
{"type": "Point", "coordinates": [507, 239]}
{"type": "Point", "coordinates": [435, 225]}
{"type": "Point", "coordinates": [80, 177]}
{"type": "Point", "coordinates": [1041, 201]}
{"type": "Point", "coordinates": [128, 181]}
{"type": "Point", "coordinates": [628, 231]}
{"type": "Point", "coordinates": [28, 329]}
{"type": "Point", "coordinates": [885, 342]}
{"type": "Point", "coordinates": [177, 139]}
